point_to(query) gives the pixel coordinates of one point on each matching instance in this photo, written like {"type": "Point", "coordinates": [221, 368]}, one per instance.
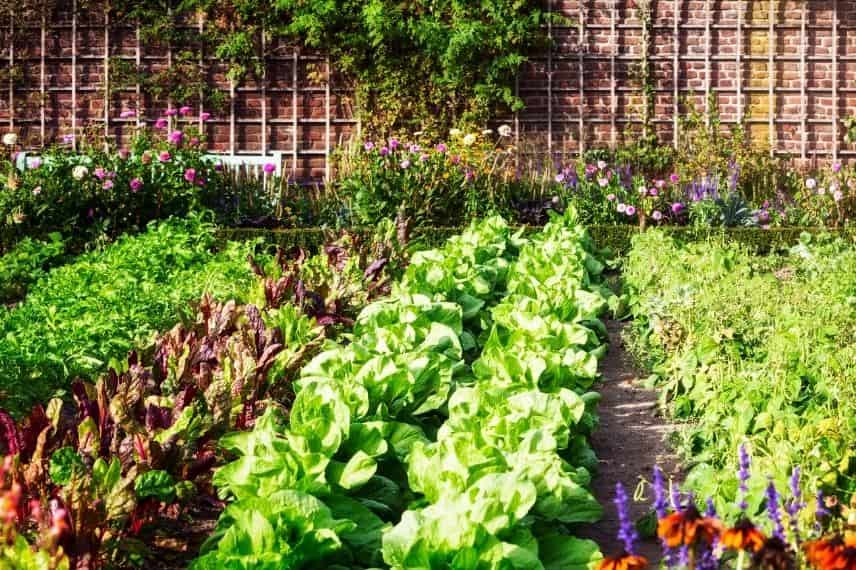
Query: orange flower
{"type": "Point", "coordinates": [624, 562]}
{"type": "Point", "coordinates": [686, 527]}
{"type": "Point", "coordinates": [744, 536]}
{"type": "Point", "coordinates": [833, 553]}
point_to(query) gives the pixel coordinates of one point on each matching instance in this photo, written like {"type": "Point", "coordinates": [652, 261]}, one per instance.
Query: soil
{"type": "Point", "coordinates": [631, 439]}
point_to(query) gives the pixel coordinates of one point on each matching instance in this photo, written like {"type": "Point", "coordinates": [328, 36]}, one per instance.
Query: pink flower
{"type": "Point", "coordinates": [369, 146]}
{"type": "Point", "coordinates": [415, 148]}
{"type": "Point", "coordinates": [441, 147]}
{"type": "Point", "coordinates": [630, 210]}
{"type": "Point", "coordinates": [161, 123]}
{"type": "Point", "coordinates": [136, 184]}
{"type": "Point", "coordinates": [677, 207]}
{"type": "Point", "coordinates": [621, 208]}
{"type": "Point", "coordinates": [811, 183]}
{"type": "Point", "coordinates": [560, 177]}
{"type": "Point", "coordinates": [204, 116]}
{"type": "Point", "coordinates": [604, 182]}
{"type": "Point", "coordinates": [384, 151]}
{"type": "Point", "coordinates": [99, 173]}
{"type": "Point", "coordinates": [660, 183]}
{"type": "Point", "coordinates": [194, 141]}
{"type": "Point", "coordinates": [838, 195]}
{"type": "Point", "coordinates": [185, 110]}
{"type": "Point", "coordinates": [654, 192]}
{"type": "Point", "coordinates": [657, 215]}
{"type": "Point", "coordinates": [405, 164]}
{"type": "Point", "coordinates": [175, 137]}
{"type": "Point", "coordinates": [674, 178]}
{"type": "Point", "coordinates": [456, 159]}
{"type": "Point", "coordinates": [67, 139]}
{"type": "Point", "coordinates": [123, 153]}
{"type": "Point", "coordinates": [601, 164]}
{"type": "Point", "coordinates": [190, 174]}
{"type": "Point", "coordinates": [200, 181]}
{"type": "Point", "coordinates": [35, 164]}
{"type": "Point", "coordinates": [469, 175]}
{"type": "Point", "coordinates": [146, 158]}
{"type": "Point", "coordinates": [269, 168]}
{"type": "Point", "coordinates": [127, 114]}
{"type": "Point", "coordinates": [393, 144]}
{"type": "Point", "coordinates": [107, 184]}
{"type": "Point", "coordinates": [164, 156]}
{"type": "Point", "coordinates": [836, 167]}
{"type": "Point", "coordinates": [170, 112]}
{"type": "Point", "coordinates": [610, 197]}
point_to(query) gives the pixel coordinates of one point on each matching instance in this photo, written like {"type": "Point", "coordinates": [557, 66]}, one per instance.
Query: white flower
{"type": "Point", "coordinates": [487, 132]}
{"type": "Point", "coordinates": [811, 183]}
{"type": "Point", "coordinates": [455, 132]}
{"type": "Point", "coordinates": [642, 190]}
{"type": "Point", "coordinates": [9, 139]}
{"type": "Point", "coordinates": [601, 164]}
{"type": "Point", "coordinates": [469, 139]}
{"type": "Point", "coordinates": [838, 195]}
{"type": "Point", "coordinates": [504, 131]}
{"type": "Point", "coordinates": [79, 172]}
{"type": "Point", "coordinates": [821, 190]}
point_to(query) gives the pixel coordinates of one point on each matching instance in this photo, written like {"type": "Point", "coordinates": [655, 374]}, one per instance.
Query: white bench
{"type": "Point", "coordinates": [252, 163]}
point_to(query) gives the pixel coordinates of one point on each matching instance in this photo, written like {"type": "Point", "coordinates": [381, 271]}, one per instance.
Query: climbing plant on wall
{"type": "Point", "coordinates": [420, 64]}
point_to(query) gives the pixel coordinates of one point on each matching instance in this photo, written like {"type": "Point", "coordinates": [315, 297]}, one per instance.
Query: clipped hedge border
{"type": "Point", "coordinates": [616, 238]}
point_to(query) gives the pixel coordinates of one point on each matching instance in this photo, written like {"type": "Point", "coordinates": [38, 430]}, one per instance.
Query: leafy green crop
{"type": "Point", "coordinates": [26, 263]}
{"type": "Point", "coordinates": [107, 302]}
{"type": "Point", "coordinates": [756, 350]}
{"type": "Point", "coordinates": [398, 453]}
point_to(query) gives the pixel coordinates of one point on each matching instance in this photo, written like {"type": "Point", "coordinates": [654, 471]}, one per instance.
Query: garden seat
{"type": "Point", "coordinates": [252, 163]}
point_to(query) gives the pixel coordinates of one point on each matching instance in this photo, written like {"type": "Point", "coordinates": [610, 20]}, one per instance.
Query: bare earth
{"type": "Point", "coordinates": [631, 439]}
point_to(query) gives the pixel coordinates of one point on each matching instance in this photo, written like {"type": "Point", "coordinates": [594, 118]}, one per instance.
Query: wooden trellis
{"type": "Point", "coordinates": [577, 106]}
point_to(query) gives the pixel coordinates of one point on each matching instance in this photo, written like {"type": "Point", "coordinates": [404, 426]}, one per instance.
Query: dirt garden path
{"type": "Point", "coordinates": [628, 443]}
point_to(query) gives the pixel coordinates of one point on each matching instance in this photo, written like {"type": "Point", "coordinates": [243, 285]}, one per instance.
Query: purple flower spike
{"type": "Point", "coordinates": [773, 511]}
{"type": "Point", "coordinates": [661, 504]}
{"type": "Point", "coordinates": [795, 505]}
{"type": "Point", "coordinates": [626, 533]}
{"type": "Point", "coordinates": [711, 508]}
{"type": "Point", "coordinates": [744, 462]}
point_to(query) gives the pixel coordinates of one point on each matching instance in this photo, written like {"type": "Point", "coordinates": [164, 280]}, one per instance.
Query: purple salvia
{"type": "Point", "coordinates": [711, 508]}
{"type": "Point", "coordinates": [744, 462]}
{"type": "Point", "coordinates": [626, 532]}
{"type": "Point", "coordinates": [661, 504]}
{"type": "Point", "coordinates": [684, 556]}
{"type": "Point", "coordinates": [820, 511]}
{"type": "Point", "coordinates": [795, 505]}
{"type": "Point", "coordinates": [773, 511]}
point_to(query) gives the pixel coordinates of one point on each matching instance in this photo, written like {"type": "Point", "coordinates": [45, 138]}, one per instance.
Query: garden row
{"type": "Point", "coordinates": [450, 431]}
{"type": "Point", "coordinates": [758, 352]}
{"type": "Point", "coordinates": [91, 193]}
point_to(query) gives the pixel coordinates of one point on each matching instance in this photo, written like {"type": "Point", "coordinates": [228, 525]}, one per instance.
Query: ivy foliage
{"type": "Point", "coordinates": [411, 64]}
{"type": "Point", "coordinates": [422, 63]}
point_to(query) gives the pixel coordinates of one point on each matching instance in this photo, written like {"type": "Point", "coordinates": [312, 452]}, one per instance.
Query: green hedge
{"type": "Point", "coordinates": [617, 238]}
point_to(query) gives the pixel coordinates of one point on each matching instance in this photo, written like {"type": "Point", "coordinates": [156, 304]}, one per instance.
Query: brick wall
{"type": "Point", "coordinates": [788, 73]}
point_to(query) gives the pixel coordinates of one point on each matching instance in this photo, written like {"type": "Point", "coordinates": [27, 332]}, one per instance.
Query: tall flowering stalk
{"type": "Point", "coordinates": [628, 559]}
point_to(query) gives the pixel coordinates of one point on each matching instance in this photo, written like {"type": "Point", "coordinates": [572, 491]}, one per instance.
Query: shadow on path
{"type": "Point", "coordinates": [631, 439]}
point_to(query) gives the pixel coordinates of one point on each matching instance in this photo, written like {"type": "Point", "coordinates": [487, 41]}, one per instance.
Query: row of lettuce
{"type": "Point", "coordinates": [752, 351]}
{"type": "Point", "coordinates": [449, 432]}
